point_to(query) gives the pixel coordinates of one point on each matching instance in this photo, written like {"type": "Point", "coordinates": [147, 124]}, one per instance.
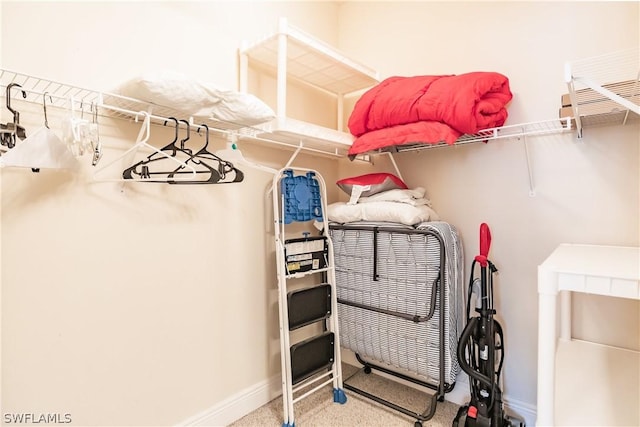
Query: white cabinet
{"type": "Point", "coordinates": [584, 383]}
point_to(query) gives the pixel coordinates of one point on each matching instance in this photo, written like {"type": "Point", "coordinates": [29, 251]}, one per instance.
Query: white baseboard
{"type": "Point", "coordinates": [252, 398]}
{"type": "Point", "coordinates": [238, 405]}
{"type": "Point", "coordinates": [522, 410]}
{"type": "Point", "coordinates": [460, 394]}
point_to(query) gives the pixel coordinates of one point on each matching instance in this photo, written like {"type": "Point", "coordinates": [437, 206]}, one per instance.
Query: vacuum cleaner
{"type": "Point", "coordinates": [481, 349]}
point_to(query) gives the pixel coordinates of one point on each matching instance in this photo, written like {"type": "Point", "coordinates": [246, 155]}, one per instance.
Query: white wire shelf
{"type": "Point", "coordinates": [35, 88]}
{"type": "Point", "coordinates": [61, 95]}
{"type": "Point", "coordinates": [84, 101]}
{"type": "Point", "coordinates": [516, 131]}
{"type": "Point", "coordinates": [287, 134]}
{"type": "Point", "coordinates": [605, 89]}
{"type": "Point", "coordinates": [312, 61]}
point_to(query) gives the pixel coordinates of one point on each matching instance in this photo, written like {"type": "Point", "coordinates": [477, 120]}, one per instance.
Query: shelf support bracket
{"type": "Point", "coordinates": [294, 155]}
{"type": "Point", "coordinates": [568, 77]}
{"type": "Point", "coordinates": [532, 191]}
{"type": "Point", "coordinates": [395, 165]}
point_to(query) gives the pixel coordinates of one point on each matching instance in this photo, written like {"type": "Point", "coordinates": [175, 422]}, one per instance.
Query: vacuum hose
{"type": "Point", "coordinates": [465, 338]}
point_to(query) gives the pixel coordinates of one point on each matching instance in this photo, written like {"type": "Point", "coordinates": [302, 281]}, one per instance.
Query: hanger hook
{"type": "Point", "coordinates": [44, 106]}
{"type": "Point", "coordinates": [16, 114]}
{"type": "Point", "coordinates": [177, 126]}
{"type": "Point", "coordinates": [206, 141]}
{"type": "Point", "coordinates": [182, 141]}
{"type": "Point", "coordinates": [146, 124]}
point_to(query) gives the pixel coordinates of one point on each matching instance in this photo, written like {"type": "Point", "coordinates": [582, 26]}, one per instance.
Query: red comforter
{"type": "Point", "coordinates": [428, 109]}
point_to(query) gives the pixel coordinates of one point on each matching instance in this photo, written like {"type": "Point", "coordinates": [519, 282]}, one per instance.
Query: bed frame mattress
{"type": "Point", "coordinates": [387, 278]}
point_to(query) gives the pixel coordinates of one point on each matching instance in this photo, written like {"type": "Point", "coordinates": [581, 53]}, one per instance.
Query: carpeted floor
{"type": "Point", "coordinates": [319, 410]}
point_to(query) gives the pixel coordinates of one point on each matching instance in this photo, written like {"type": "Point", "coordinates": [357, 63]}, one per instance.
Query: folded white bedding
{"type": "Point", "coordinates": [198, 99]}
{"type": "Point", "coordinates": [415, 197]}
{"type": "Point", "coordinates": [386, 211]}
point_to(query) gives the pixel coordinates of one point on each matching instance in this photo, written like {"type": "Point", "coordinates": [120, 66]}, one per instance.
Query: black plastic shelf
{"type": "Point", "coordinates": [309, 305]}
{"type": "Point", "coordinates": [311, 356]}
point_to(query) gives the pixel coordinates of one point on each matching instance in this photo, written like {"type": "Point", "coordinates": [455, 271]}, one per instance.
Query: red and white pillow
{"type": "Point", "coordinates": [369, 184]}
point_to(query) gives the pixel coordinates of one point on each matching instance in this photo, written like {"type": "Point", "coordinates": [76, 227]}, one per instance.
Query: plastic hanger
{"type": "Point", "coordinates": [182, 141]}
{"type": "Point", "coordinates": [224, 166]}
{"type": "Point", "coordinates": [214, 174]}
{"type": "Point", "coordinates": [145, 176]}
{"type": "Point", "coordinates": [156, 155]}
{"type": "Point", "coordinates": [196, 170]}
{"type": "Point", "coordinates": [172, 147]}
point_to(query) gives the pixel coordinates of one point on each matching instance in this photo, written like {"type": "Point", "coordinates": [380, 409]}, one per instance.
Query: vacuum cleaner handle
{"type": "Point", "coordinates": [485, 244]}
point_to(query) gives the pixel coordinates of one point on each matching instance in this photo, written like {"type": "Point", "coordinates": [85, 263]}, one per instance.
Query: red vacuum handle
{"type": "Point", "coordinates": [485, 244]}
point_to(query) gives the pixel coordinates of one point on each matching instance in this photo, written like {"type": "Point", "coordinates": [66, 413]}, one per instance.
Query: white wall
{"type": "Point", "coordinates": [149, 305]}
{"type": "Point", "coordinates": [1, 316]}
{"type": "Point", "coordinates": [585, 192]}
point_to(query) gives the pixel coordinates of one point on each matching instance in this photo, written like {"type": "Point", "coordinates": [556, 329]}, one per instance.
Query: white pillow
{"type": "Point", "coordinates": [238, 107]}
{"type": "Point", "coordinates": [170, 89]}
{"type": "Point", "coordinates": [413, 197]}
{"type": "Point", "coordinates": [380, 211]}
{"type": "Point", "coordinates": [177, 91]}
